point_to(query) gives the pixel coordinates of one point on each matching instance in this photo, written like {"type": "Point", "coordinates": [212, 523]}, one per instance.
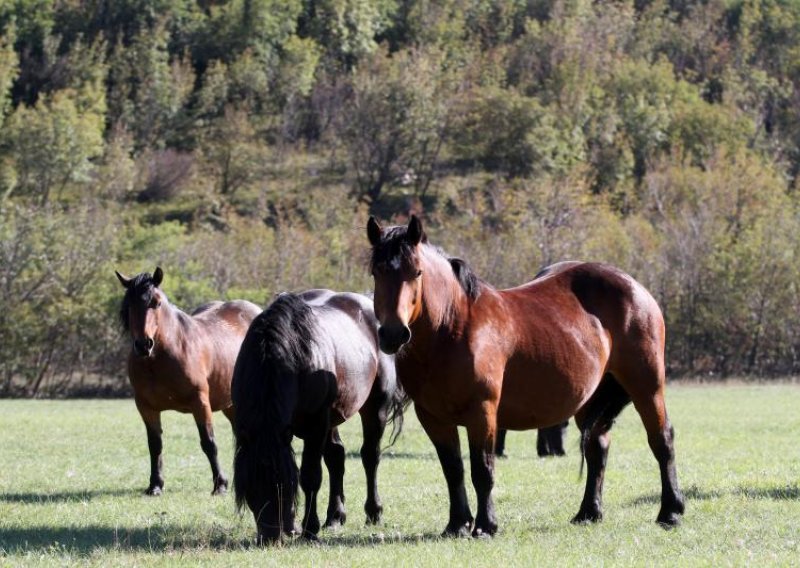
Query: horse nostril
{"type": "Point", "coordinates": [405, 335]}
{"type": "Point", "coordinates": [149, 343]}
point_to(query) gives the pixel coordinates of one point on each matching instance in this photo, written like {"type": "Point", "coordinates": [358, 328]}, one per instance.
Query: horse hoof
{"type": "Point", "coordinates": [154, 491]}
{"type": "Point", "coordinates": [335, 521]}
{"type": "Point", "coordinates": [374, 515]}
{"type": "Point", "coordinates": [311, 538]}
{"type": "Point", "coordinates": [587, 517]}
{"type": "Point", "coordinates": [669, 520]}
{"type": "Point", "coordinates": [483, 534]}
{"type": "Point", "coordinates": [459, 531]}
{"type": "Point", "coordinates": [220, 486]}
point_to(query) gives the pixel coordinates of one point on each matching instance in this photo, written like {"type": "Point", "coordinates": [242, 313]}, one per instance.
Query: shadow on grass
{"type": "Point", "coordinates": [379, 539]}
{"type": "Point", "coordinates": [65, 496]}
{"type": "Point", "coordinates": [692, 493]}
{"type": "Point", "coordinates": [781, 493]}
{"type": "Point", "coordinates": [390, 455]}
{"type": "Point", "coordinates": [85, 540]}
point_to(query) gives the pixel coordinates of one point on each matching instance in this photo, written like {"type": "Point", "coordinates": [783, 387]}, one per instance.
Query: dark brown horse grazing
{"type": "Point", "coordinates": [582, 341]}
{"type": "Point", "coordinates": [308, 363]}
{"type": "Point", "coordinates": [181, 362]}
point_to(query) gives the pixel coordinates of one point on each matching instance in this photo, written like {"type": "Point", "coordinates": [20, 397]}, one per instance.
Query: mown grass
{"type": "Point", "coordinates": [73, 471]}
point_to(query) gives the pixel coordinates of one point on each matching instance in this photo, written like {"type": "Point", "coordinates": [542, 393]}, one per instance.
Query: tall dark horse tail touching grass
{"type": "Point", "coordinates": [181, 362]}
{"type": "Point", "coordinates": [581, 339]}
{"type": "Point", "coordinates": [308, 363]}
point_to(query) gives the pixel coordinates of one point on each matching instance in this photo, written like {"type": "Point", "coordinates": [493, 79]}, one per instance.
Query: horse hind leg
{"type": "Point", "coordinates": [334, 456]}
{"type": "Point", "coordinates": [595, 421]}
{"type": "Point", "coordinates": [661, 436]}
{"type": "Point", "coordinates": [315, 437]}
{"type": "Point", "coordinates": [374, 415]}
{"type": "Point", "coordinates": [646, 388]}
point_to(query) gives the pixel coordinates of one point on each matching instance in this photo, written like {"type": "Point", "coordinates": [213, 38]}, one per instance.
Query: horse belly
{"type": "Point", "coordinates": [537, 395]}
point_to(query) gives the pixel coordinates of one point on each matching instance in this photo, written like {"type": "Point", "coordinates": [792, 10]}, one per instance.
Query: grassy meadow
{"type": "Point", "coordinates": [73, 472]}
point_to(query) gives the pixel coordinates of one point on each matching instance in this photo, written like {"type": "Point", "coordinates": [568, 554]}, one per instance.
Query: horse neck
{"type": "Point", "coordinates": [169, 338]}
{"type": "Point", "coordinates": [445, 305]}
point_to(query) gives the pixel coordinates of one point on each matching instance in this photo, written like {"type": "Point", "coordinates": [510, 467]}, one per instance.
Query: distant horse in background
{"type": "Point", "coordinates": [181, 362]}
{"type": "Point", "coordinates": [583, 340]}
{"type": "Point", "coordinates": [549, 441]}
{"type": "Point", "coordinates": [309, 362]}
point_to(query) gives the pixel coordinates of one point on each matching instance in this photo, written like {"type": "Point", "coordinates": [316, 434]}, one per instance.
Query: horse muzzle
{"type": "Point", "coordinates": [143, 347]}
{"type": "Point", "coordinates": [391, 339]}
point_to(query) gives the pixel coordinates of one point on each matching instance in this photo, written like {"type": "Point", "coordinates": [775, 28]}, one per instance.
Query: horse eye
{"type": "Point", "coordinates": [419, 273]}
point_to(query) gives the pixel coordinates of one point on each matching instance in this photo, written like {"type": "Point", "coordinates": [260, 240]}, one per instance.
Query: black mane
{"type": "Point", "coordinates": [141, 287]}
{"type": "Point", "coordinates": [395, 249]}
{"type": "Point", "coordinates": [286, 330]}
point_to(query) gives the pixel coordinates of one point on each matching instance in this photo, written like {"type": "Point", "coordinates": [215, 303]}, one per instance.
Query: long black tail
{"type": "Point", "coordinates": [397, 408]}
{"type": "Point", "coordinates": [277, 348]}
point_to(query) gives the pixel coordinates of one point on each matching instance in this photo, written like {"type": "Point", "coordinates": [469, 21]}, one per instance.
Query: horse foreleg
{"type": "Point", "coordinates": [481, 431]}
{"type": "Point", "coordinates": [334, 461]}
{"type": "Point", "coordinates": [152, 423]}
{"type": "Point", "coordinates": [373, 425]}
{"type": "Point", "coordinates": [205, 427]}
{"type": "Point", "coordinates": [311, 472]}
{"type": "Point", "coordinates": [448, 447]}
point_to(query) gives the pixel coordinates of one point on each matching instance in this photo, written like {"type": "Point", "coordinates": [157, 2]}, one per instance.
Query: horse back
{"type": "Point", "coordinates": [221, 327]}
{"type": "Point", "coordinates": [349, 343]}
{"type": "Point", "coordinates": [568, 328]}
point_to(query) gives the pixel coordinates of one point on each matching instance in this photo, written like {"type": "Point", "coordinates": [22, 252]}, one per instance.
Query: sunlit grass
{"type": "Point", "coordinates": [73, 472]}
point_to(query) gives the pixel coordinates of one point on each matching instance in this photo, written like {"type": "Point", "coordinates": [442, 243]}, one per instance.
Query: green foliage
{"type": "Point", "coordinates": [241, 145]}
{"type": "Point", "coordinates": [397, 120]}
{"type": "Point", "coordinates": [50, 144]}
{"type": "Point", "coordinates": [512, 133]}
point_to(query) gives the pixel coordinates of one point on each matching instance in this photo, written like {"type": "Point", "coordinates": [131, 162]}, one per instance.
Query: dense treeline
{"type": "Point", "coordinates": [240, 144]}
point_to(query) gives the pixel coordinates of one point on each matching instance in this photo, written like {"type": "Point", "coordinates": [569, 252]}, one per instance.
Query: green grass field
{"type": "Point", "coordinates": [73, 472]}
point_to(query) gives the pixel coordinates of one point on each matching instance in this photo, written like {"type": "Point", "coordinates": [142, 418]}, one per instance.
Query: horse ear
{"type": "Point", "coordinates": [374, 231]}
{"type": "Point", "coordinates": [415, 232]}
{"type": "Point", "coordinates": [126, 282]}
{"type": "Point", "coordinates": [158, 276]}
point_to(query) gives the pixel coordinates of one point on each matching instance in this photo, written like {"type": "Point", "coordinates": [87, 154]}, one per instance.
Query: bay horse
{"type": "Point", "coordinates": [583, 340]}
{"type": "Point", "coordinates": [309, 362]}
{"type": "Point", "coordinates": [181, 362]}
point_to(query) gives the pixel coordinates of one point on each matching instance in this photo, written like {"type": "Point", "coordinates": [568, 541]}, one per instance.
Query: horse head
{"type": "Point", "coordinates": [397, 270]}
{"type": "Point", "coordinates": [141, 309]}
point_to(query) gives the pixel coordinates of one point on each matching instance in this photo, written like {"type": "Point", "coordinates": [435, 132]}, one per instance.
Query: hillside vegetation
{"type": "Point", "coordinates": [241, 144]}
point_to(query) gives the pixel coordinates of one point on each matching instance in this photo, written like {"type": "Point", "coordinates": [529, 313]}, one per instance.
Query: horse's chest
{"type": "Point", "coordinates": [163, 387]}
{"type": "Point", "coordinates": [436, 385]}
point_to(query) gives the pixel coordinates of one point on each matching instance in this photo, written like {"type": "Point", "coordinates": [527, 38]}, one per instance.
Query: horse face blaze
{"type": "Point", "coordinates": [397, 305]}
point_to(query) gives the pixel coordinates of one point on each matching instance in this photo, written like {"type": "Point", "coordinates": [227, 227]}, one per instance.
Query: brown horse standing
{"type": "Point", "coordinates": [181, 362]}
{"type": "Point", "coordinates": [583, 341]}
